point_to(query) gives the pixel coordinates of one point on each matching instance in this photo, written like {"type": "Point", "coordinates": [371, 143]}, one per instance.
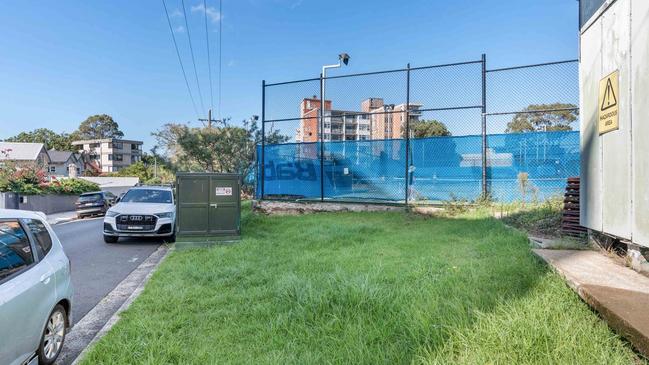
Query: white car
{"type": "Point", "coordinates": [35, 290]}
{"type": "Point", "coordinates": [144, 211]}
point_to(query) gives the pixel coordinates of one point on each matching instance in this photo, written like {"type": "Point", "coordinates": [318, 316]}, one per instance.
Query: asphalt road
{"type": "Point", "coordinates": [98, 267]}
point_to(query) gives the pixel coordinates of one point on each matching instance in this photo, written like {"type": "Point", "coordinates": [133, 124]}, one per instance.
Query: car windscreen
{"type": "Point", "coordinates": [89, 198]}
{"type": "Point", "coordinates": [147, 196]}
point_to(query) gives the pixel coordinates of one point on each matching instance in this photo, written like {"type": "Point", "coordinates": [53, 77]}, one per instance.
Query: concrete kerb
{"type": "Point", "coordinates": [619, 294]}
{"type": "Point", "coordinates": [93, 326]}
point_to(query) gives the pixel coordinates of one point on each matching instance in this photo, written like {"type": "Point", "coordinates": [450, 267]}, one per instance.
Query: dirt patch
{"type": "Point", "coordinates": [296, 208]}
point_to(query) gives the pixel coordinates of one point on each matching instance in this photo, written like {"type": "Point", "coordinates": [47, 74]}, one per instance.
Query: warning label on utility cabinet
{"type": "Point", "coordinates": [224, 191]}
{"type": "Point", "coordinates": [608, 103]}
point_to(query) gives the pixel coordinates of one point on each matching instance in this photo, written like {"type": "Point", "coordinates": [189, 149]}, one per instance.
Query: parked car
{"type": "Point", "coordinates": [144, 211]}
{"type": "Point", "coordinates": [35, 289]}
{"type": "Point", "coordinates": [94, 203]}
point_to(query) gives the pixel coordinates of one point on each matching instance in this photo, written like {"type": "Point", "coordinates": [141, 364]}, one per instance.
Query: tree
{"type": "Point", "coordinates": [558, 118]}
{"type": "Point", "coordinates": [428, 128]}
{"type": "Point", "coordinates": [51, 139]}
{"type": "Point", "coordinates": [223, 148]}
{"type": "Point", "coordinates": [98, 127]}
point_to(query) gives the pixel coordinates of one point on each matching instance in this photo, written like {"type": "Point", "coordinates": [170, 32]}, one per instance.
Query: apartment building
{"type": "Point", "coordinates": [339, 125]}
{"type": "Point", "coordinates": [388, 121]}
{"type": "Point", "coordinates": [375, 120]}
{"type": "Point", "coordinates": [111, 154]}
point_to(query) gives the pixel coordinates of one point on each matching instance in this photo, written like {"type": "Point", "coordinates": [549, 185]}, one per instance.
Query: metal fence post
{"type": "Point", "coordinates": [263, 136]}
{"type": "Point", "coordinates": [321, 136]}
{"type": "Point", "coordinates": [484, 126]}
{"type": "Point", "coordinates": [407, 132]}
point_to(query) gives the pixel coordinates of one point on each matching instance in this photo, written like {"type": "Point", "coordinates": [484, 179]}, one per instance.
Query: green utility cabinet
{"type": "Point", "coordinates": [209, 205]}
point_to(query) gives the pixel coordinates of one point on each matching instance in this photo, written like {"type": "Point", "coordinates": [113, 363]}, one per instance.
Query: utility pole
{"type": "Point", "coordinates": [209, 120]}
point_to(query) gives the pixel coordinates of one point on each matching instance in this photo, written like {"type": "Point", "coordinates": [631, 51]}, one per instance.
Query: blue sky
{"type": "Point", "coordinates": [61, 61]}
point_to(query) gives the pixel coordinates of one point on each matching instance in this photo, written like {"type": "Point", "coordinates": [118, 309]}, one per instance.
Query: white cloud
{"type": "Point", "coordinates": [179, 29]}
{"type": "Point", "coordinates": [212, 13]}
{"type": "Point", "coordinates": [176, 13]}
{"type": "Point", "coordinates": [295, 4]}
{"type": "Point", "coordinates": [231, 63]}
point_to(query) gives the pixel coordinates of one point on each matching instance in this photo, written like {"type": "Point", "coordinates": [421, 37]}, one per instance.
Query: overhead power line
{"type": "Point", "coordinates": [209, 62]}
{"type": "Point", "coordinates": [220, 51]}
{"type": "Point", "coordinates": [173, 37]}
{"type": "Point", "coordinates": [191, 50]}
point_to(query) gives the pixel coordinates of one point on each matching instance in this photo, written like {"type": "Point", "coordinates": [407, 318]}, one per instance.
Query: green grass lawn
{"type": "Point", "coordinates": [361, 288]}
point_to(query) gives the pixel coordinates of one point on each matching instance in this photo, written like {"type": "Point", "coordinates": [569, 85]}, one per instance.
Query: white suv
{"type": "Point", "coordinates": [144, 211]}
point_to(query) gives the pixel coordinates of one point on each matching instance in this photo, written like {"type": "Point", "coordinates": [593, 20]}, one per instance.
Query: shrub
{"type": "Point", "coordinates": [22, 179]}
{"type": "Point", "coordinates": [30, 179]}
{"type": "Point", "coordinates": [71, 186]}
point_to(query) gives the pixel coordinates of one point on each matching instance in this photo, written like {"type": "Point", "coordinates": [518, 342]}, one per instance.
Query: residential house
{"type": "Point", "coordinates": [65, 163]}
{"type": "Point", "coordinates": [21, 152]}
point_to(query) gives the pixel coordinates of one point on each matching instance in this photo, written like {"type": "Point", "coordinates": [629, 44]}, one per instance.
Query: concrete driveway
{"type": "Point", "coordinates": [97, 269]}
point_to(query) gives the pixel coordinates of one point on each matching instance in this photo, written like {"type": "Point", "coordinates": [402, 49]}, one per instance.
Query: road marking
{"type": "Point", "coordinates": [77, 220]}
{"type": "Point", "coordinates": [133, 259]}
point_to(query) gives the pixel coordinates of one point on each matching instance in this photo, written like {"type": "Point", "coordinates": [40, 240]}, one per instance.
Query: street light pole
{"type": "Point", "coordinates": [343, 58]}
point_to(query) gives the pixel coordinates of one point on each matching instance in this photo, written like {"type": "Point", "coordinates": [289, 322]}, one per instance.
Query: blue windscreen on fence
{"type": "Point", "coordinates": [441, 168]}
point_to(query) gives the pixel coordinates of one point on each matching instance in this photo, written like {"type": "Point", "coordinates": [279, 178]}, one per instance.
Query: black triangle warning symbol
{"type": "Point", "coordinates": [609, 100]}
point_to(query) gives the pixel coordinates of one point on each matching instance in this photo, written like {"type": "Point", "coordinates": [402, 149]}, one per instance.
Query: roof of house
{"type": "Point", "coordinates": [21, 151]}
{"type": "Point", "coordinates": [60, 156]}
{"type": "Point", "coordinates": [86, 141]}
{"type": "Point", "coordinates": [112, 181]}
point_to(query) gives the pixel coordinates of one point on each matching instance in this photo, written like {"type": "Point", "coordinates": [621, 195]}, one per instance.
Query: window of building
{"type": "Point", "coordinates": [115, 157]}
{"type": "Point", "coordinates": [94, 145]}
{"type": "Point", "coordinates": [15, 250]}
{"type": "Point", "coordinates": [51, 169]}
{"type": "Point", "coordinates": [135, 146]}
{"type": "Point", "coordinates": [41, 235]}
{"type": "Point", "coordinates": [588, 8]}
{"type": "Point", "coordinates": [118, 145]}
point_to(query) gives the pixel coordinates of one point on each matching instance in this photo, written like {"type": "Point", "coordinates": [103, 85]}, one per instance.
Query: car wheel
{"type": "Point", "coordinates": [110, 239]}
{"type": "Point", "coordinates": [53, 336]}
{"type": "Point", "coordinates": [170, 239]}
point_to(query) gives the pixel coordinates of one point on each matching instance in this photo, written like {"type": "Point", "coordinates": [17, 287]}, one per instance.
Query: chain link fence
{"type": "Point", "coordinates": [422, 134]}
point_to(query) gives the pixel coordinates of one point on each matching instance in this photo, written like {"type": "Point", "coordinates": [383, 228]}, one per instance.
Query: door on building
{"type": "Point", "coordinates": [224, 205]}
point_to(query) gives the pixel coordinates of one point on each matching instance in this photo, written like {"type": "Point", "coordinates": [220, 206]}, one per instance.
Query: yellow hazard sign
{"type": "Point", "coordinates": [609, 101]}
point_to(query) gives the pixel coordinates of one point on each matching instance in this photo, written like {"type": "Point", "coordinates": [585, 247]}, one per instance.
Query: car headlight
{"type": "Point", "coordinates": [165, 215]}
{"type": "Point", "coordinates": [112, 213]}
